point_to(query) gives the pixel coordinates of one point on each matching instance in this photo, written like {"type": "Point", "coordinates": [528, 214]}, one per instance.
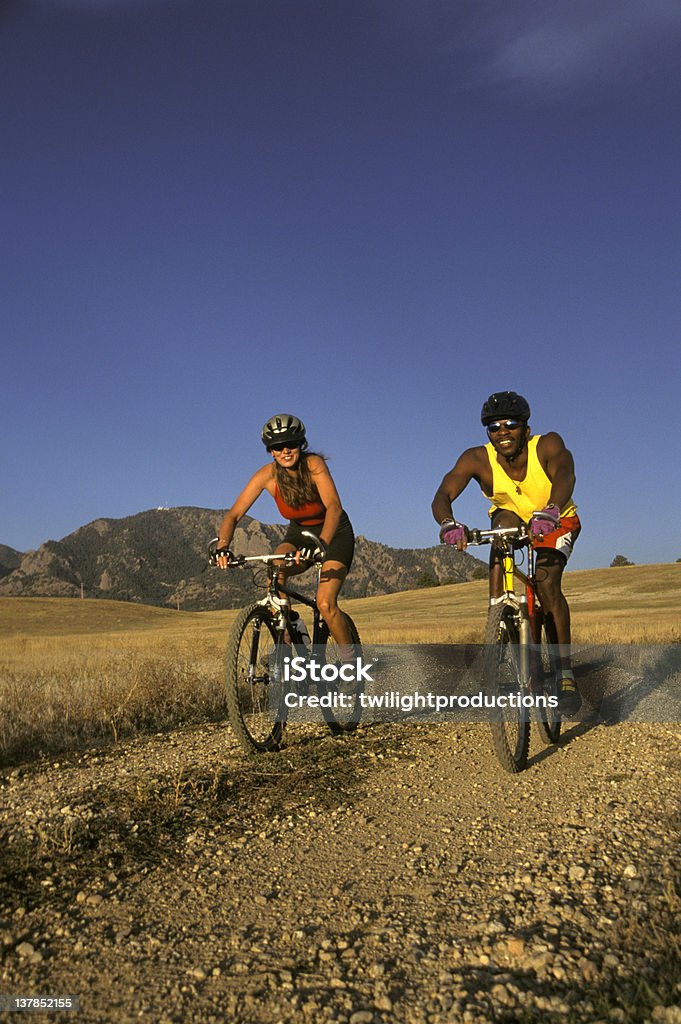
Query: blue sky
{"type": "Point", "coordinates": [371, 213]}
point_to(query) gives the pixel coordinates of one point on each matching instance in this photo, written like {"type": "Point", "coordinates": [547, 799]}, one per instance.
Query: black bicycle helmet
{"type": "Point", "coordinates": [284, 429]}
{"type": "Point", "coordinates": [503, 405]}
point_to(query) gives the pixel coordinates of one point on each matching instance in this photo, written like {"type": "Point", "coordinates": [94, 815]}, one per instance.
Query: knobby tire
{"type": "Point", "coordinates": [510, 727]}
{"type": "Point", "coordinates": [254, 697]}
{"type": "Point", "coordinates": [341, 720]}
{"type": "Point", "coordinates": [545, 682]}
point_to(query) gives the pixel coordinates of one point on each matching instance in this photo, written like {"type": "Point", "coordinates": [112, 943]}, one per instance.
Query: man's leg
{"type": "Point", "coordinates": [501, 520]}
{"type": "Point", "coordinates": [549, 568]}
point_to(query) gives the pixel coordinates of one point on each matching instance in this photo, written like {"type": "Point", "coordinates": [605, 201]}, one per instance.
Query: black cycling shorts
{"type": "Point", "coordinates": [342, 546]}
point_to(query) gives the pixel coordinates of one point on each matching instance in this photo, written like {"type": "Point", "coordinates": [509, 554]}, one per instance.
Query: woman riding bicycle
{"type": "Point", "coordinates": [305, 494]}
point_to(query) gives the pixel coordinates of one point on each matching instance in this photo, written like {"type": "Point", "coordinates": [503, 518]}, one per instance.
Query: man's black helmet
{"type": "Point", "coordinates": [284, 429]}
{"type": "Point", "coordinates": [505, 405]}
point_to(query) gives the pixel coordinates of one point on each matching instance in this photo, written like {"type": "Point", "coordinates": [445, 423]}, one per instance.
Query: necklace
{"type": "Point", "coordinates": [511, 459]}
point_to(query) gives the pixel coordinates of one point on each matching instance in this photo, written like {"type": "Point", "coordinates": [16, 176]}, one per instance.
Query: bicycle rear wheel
{"type": "Point", "coordinates": [345, 695]}
{"type": "Point", "coordinates": [254, 681]}
{"type": "Point", "coordinates": [509, 721]}
{"type": "Point", "coordinates": [545, 683]}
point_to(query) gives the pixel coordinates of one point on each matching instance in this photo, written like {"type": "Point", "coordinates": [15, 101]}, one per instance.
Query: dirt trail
{"type": "Point", "coordinates": [398, 875]}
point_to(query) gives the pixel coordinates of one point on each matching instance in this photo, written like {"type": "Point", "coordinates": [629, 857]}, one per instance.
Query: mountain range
{"type": "Point", "coordinates": [159, 557]}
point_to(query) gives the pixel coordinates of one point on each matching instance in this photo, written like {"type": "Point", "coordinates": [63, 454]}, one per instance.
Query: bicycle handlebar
{"type": "Point", "coordinates": [519, 533]}
{"type": "Point", "coordinates": [238, 560]}
{"type": "Point", "coordinates": [288, 557]}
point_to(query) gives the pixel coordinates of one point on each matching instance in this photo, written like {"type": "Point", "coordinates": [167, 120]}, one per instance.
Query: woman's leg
{"type": "Point", "coordinates": [330, 583]}
{"type": "Point", "coordinates": [285, 548]}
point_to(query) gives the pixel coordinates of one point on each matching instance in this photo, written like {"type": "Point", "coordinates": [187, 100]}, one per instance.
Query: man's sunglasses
{"type": "Point", "coordinates": [280, 447]}
{"type": "Point", "coordinates": [494, 428]}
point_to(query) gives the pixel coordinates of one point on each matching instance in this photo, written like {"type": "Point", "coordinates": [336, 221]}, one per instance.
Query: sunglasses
{"type": "Point", "coordinates": [281, 447]}
{"type": "Point", "coordinates": [494, 428]}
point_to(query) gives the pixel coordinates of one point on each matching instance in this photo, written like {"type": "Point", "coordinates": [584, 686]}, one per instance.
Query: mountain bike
{"type": "Point", "coordinates": [519, 659]}
{"type": "Point", "coordinates": [262, 644]}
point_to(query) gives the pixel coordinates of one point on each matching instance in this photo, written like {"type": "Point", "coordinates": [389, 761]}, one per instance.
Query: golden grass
{"type": "Point", "coordinates": [627, 604]}
{"type": "Point", "coordinates": [76, 671]}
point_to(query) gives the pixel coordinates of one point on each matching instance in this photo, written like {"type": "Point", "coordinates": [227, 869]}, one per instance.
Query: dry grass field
{"type": "Point", "coordinates": [74, 672]}
{"type": "Point", "coordinates": [628, 604]}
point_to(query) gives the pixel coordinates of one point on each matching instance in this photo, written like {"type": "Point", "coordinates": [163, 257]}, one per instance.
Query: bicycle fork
{"type": "Point", "coordinates": [522, 613]}
{"type": "Point", "coordinates": [525, 641]}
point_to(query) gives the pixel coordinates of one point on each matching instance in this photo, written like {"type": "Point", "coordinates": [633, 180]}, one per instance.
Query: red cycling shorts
{"type": "Point", "coordinates": [561, 539]}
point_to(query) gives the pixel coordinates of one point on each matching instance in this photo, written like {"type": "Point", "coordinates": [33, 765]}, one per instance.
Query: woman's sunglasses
{"type": "Point", "coordinates": [280, 447]}
{"type": "Point", "coordinates": [494, 428]}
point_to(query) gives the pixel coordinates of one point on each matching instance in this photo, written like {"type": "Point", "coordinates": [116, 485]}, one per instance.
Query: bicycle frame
{"type": "Point", "coordinates": [259, 711]}
{"type": "Point", "coordinates": [273, 598]}
{"type": "Point", "coordinates": [525, 606]}
{"type": "Point", "coordinates": [282, 605]}
{"type": "Point", "coordinates": [518, 617]}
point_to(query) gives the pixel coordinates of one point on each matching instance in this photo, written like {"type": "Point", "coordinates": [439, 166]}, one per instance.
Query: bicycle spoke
{"type": "Point", "coordinates": [545, 681]}
{"type": "Point", "coordinates": [254, 681]}
{"type": "Point", "coordinates": [509, 722]}
{"type": "Point", "coordinates": [345, 715]}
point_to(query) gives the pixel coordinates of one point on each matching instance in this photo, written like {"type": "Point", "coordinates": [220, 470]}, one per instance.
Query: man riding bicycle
{"type": "Point", "coordinates": [529, 478]}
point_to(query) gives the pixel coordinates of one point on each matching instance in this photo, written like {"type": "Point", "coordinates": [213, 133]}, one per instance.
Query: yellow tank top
{"type": "Point", "coordinates": [522, 496]}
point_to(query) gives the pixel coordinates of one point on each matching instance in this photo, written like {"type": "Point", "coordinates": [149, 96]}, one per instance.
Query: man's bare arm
{"type": "Point", "coordinates": [466, 469]}
{"type": "Point", "coordinates": [559, 466]}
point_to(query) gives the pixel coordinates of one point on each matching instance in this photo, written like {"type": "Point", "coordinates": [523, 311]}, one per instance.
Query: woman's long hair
{"type": "Point", "coordinates": [299, 488]}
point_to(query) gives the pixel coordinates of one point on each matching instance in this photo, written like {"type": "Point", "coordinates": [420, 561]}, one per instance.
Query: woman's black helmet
{"type": "Point", "coordinates": [284, 429]}
{"type": "Point", "coordinates": [505, 405]}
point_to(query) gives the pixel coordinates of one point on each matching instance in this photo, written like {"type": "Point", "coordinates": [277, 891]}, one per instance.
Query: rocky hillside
{"type": "Point", "coordinates": [159, 557]}
{"type": "Point", "coordinates": [9, 560]}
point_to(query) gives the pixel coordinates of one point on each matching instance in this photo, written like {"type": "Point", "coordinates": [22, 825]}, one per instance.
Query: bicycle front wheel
{"type": "Point", "coordinates": [509, 720]}
{"type": "Point", "coordinates": [344, 696]}
{"type": "Point", "coordinates": [545, 684]}
{"type": "Point", "coordinates": [254, 688]}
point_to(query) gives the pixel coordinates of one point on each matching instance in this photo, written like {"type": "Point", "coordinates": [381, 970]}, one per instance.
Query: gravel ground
{"type": "Point", "coordinates": [396, 875]}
